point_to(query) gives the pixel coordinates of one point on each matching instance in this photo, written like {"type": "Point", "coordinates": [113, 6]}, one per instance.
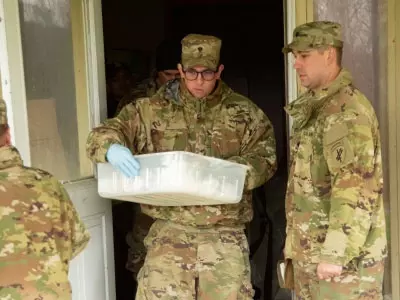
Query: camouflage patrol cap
{"type": "Point", "coordinates": [3, 112]}
{"type": "Point", "coordinates": [315, 35]}
{"type": "Point", "coordinates": [200, 50]}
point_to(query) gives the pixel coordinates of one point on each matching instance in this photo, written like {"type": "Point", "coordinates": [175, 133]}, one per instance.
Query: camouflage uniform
{"type": "Point", "coordinates": [195, 250]}
{"type": "Point", "coordinates": [334, 202]}
{"type": "Point", "coordinates": [146, 88]}
{"type": "Point", "coordinates": [40, 230]}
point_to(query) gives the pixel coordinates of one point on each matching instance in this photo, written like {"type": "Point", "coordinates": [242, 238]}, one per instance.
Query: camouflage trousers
{"type": "Point", "coordinates": [184, 262]}
{"type": "Point", "coordinates": [135, 240]}
{"type": "Point", "coordinates": [362, 282]}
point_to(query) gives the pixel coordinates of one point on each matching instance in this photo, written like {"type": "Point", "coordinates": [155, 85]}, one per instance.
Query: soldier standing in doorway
{"type": "Point", "coordinates": [193, 252]}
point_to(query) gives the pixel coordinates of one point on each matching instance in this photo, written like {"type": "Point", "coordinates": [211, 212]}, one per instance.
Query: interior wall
{"type": "Point", "coordinates": [132, 30]}
{"type": "Point", "coordinates": [133, 25]}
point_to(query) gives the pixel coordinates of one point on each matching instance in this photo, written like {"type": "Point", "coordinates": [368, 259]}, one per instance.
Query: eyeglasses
{"type": "Point", "coordinates": [192, 74]}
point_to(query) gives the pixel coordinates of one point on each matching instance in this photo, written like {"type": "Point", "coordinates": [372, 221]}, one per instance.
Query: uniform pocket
{"type": "Point", "coordinates": [143, 284]}
{"type": "Point", "coordinates": [169, 139]}
{"type": "Point", "coordinates": [235, 248]}
{"type": "Point", "coordinates": [154, 233]}
{"type": "Point", "coordinates": [225, 143]}
{"type": "Point", "coordinates": [235, 238]}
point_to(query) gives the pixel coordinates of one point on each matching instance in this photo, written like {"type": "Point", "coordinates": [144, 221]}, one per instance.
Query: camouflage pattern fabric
{"type": "Point", "coordinates": [200, 50]}
{"type": "Point", "coordinates": [225, 125]}
{"type": "Point", "coordinates": [315, 35]}
{"type": "Point", "coordinates": [356, 282]}
{"type": "Point", "coordinates": [135, 240]}
{"type": "Point", "coordinates": [192, 263]}
{"type": "Point", "coordinates": [40, 232]}
{"type": "Point", "coordinates": [334, 203]}
{"type": "Point", "coordinates": [145, 88]}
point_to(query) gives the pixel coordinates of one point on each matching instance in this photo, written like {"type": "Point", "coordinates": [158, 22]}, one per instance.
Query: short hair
{"type": "Point", "coordinates": [339, 53]}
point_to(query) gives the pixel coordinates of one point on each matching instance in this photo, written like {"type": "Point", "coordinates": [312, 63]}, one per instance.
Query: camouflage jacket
{"type": "Point", "coordinates": [146, 88]}
{"type": "Point", "coordinates": [334, 202]}
{"type": "Point", "coordinates": [40, 232]}
{"type": "Point", "coordinates": [224, 125]}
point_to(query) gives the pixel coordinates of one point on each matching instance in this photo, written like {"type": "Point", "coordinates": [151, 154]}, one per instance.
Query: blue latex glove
{"type": "Point", "coordinates": [122, 159]}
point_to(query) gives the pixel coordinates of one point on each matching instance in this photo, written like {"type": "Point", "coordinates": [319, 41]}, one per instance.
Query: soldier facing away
{"type": "Point", "coordinates": [40, 229]}
{"type": "Point", "coordinates": [336, 236]}
{"type": "Point", "coordinates": [193, 252]}
{"type": "Point", "coordinates": [167, 57]}
{"type": "Point", "coordinates": [118, 83]}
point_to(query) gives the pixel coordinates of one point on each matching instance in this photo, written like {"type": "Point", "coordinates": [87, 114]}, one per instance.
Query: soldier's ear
{"type": "Point", "coordinates": [220, 69]}
{"type": "Point", "coordinates": [5, 139]}
{"type": "Point", "coordinates": [331, 55]}
{"type": "Point", "coordinates": [8, 137]}
{"type": "Point", "coordinates": [180, 69]}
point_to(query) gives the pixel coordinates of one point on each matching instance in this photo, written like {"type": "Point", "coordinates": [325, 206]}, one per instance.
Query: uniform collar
{"type": "Point", "coordinates": [177, 92]}
{"type": "Point", "coordinates": [310, 101]}
{"type": "Point", "coordinates": [9, 157]}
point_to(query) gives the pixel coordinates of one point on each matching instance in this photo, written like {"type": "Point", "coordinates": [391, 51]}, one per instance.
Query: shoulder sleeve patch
{"type": "Point", "coordinates": [337, 147]}
{"type": "Point", "coordinates": [335, 133]}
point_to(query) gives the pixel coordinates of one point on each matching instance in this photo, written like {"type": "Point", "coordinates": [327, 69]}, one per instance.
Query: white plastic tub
{"type": "Point", "coordinates": [175, 178]}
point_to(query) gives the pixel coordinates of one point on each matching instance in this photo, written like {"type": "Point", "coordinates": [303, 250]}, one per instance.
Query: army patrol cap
{"type": "Point", "coordinates": [200, 50]}
{"type": "Point", "coordinates": [3, 112]}
{"type": "Point", "coordinates": [315, 35]}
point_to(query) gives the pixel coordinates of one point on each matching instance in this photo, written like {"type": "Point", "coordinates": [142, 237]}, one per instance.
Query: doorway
{"type": "Point", "coordinates": [252, 34]}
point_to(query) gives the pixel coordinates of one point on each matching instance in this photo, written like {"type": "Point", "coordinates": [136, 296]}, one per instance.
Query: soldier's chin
{"type": "Point", "coordinates": [198, 93]}
{"type": "Point", "coordinates": [304, 82]}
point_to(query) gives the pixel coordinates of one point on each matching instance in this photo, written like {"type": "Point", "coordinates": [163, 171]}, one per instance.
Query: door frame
{"type": "Point", "coordinates": [296, 12]}
{"type": "Point", "coordinates": [12, 77]}
{"type": "Point", "coordinates": [96, 62]}
{"type": "Point", "coordinates": [393, 117]}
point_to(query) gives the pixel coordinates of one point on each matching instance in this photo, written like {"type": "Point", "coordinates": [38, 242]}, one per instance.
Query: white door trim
{"type": "Point", "coordinates": [291, 88]}
{"type": "Point", "coordinates": [12, 76]}
{"type": "Point", "coordinates": [96, 62]}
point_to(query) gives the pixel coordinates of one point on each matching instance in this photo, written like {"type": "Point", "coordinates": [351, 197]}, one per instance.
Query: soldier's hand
{"type": "Point", "coordinates": [122, 159]}
{"type": "Point", "coordinates": [326, 271]}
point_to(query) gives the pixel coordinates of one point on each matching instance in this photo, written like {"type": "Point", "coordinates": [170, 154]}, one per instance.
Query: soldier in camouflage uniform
{"type": "Point", "coordinates": [336, 235]}
{"type": "Point", "coordinates": [40, 230]}
{"type": "Point", "coordinates": [193, 252]}
{"type": "Point", "coordinates": [167, 57]}
{"type": "Point", "coordinates": [118, 85]}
